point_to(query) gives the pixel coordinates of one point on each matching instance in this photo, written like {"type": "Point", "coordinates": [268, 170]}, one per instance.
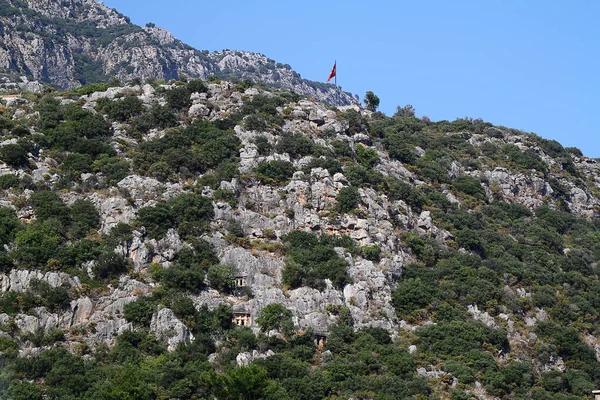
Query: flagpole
{"type": "Point", "coordinates": [335, 63]}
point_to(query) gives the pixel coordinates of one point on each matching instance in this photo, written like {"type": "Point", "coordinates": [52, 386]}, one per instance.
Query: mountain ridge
{"type": "Point", "coordinates": [54, 43]}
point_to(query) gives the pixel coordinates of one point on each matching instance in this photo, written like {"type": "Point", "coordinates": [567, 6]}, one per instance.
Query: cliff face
{"type": "Point", "coordinates": [81, 41]}
{"type": "Point", "coordinates": [491, 219]}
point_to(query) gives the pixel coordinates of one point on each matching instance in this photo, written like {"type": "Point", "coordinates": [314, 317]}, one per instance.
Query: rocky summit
{"type": "Point", "coordinates": [223, 239]}
{"type": "Point", "coordinates": [75, 42]}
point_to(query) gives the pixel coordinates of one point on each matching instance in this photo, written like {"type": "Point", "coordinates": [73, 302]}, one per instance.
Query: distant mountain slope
{"type": "Point", "coordinates": [75, 42]}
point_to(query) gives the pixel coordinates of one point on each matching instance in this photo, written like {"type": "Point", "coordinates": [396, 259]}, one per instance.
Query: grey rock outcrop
{"type": "Point", "coordinates": [169, 328]}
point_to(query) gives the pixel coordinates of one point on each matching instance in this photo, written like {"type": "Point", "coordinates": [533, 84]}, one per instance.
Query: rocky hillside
{"type": "Point", "coordinates": [220, 240]}
{"type": "Point", "coordinates": [75, 42]}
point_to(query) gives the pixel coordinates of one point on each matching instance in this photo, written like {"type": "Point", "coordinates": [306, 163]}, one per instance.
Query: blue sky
{"type": "Point", "coordinates": [532, 65]}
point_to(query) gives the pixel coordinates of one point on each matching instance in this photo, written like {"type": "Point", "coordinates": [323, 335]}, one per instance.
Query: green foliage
{"type": "Point", "coordinates": [89, 89]}
{"type": "Point", "coordinates": [348, 199]}
{"type": "Point", "coordinates": [332, 165]}
{"type": "Point", "coordinates": [77, 163]}
{"type": "Point", "coordinates": [110, 265]}
{"type": "Point", "coordinates": [524, 160]}
{"type": "Point", "coordinates": [274, 172]}
{"type": "Point", "coordinates": [38, 243]}
{"type": "Point", "coordinates": [470, 186]}
{"type": "Point", "coordinates": [160, 117]}
{"type": "Point", "coordinates": [49, 205]}
{"type": "Point", "coordinates": [15, 155]}
{"type": "Point", "coordinates": [85, 218]}
{"type": "Point", "coordinates": [140, 311]}
{"type": "Point", "coordinates": [398, 149]}
{"type": "Point", "coordinates": [275, 316]}
{"type": "Point", "coordinates": [9, 225]}
{"type": "Point", "coordinates": [360, 176]}
{"type": "Point", "coordinates": [123, 109]}
{"type": "Point", "coordinates": [178, 98]}
{"type": "Point", "coordinates": [366, 156]}
{"type": "Point", "coordinates": [187, 272]}
{"type": "Point", "coordinates": [115, 169]}
{"type": "Point", "coordinates": [196, 149]}
{"type": "Point", "coordinates": [457, 337]}
{"type": "Point", "coordinates": [197, 86]}
{"type": "Point", "coordinates": [313, 259]}
{"type": "Point", "coordinates": [371, 253]}
{"type": "Point", "coordinates": [188, 213]}
{"type": "Point", "coordinates": [295, 144]}
{"type": "Point", "coordinates": [221, 277]}
{"type": "Point", "coordinates": [9, 181]}
{"type": "Point", "coordinates": [412, 294]}
{"type": "Point", "coordinates": [183, 277]}
{"type": "Point", "coordinates": [371, 101]}
{"type": "Point", "coordinates": [263, 145]}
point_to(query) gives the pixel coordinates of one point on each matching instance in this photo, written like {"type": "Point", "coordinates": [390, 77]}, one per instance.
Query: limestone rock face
{"type": "Point", "coordinates": [20, 280]}
{"type": "Point", "coordinates": [168, 327]}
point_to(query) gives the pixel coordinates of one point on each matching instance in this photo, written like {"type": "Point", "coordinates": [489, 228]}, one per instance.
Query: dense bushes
{"type": "Point", "coordinates": [193, 150]}
{"type": "Point", "coordinates": [274, 172]}
{"type": "Point", "coordinates": [276, 316]}
{"type": "Point", "coordinates": [121, 109]}
{"type": "Point", "coordinates": [188, 271]}
{"type": "Point", "coordinates": [189, 213]}
{"type": "Point", "coordinates": [295, 144]}
{"type": "Point", "coordinates": [313, 259]}
{"type": "Point", "coordinates": [15, 155]}
{"type": "Point", "coordinates": [348, 199]}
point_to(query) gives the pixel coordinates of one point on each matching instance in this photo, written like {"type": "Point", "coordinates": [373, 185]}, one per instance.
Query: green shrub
{"type": "Point", "coordinates": [49, 205]}
{"type": "Point", "coordinates": [110, 265]}
{"type": "Point", "coordinates": [371, 253]}
{"type": "Point", "coordinates": [332, 165]}
{"type": "Point", "coordinates": [121, 110]}
{"type": "Point", "coordinates": [183, 277]}
{"type": "Point", "coordinates": [400, 150]}
{"type": "Point", "coordinates": [15, 155]}
{"type": "Point", "coordinates": [275, 316]}
{"type": "Point", "coordinates": [53, 298]}
{"type": "Point", "coordinates": [89, 89]}
{"type": "Point", "coordinates": [115, 169]}
{"type": "Point", "coordinates": [313, 259]}
{"type": "Point", "coordinates": [412, 294]}
{"type": "Point", "coordinates": [38, 243]}
{"type": "Point", "coordinates": [263, 145]}
{"type": "Point", "coordinates": [470, 186]}
{"type": "Point", "coordinates": [255, 122]}
{"type": "Point", "coordinates": [197, 86]}
{"type": "Point", "coordinates": [85, 218]}
{"type": "Point", "coordinates": [455, 338]}
{"type": "Point", "coordinates": [157, 219]}
{"type": "Point", "coordinates": [274, 172]}
{"type": "Point", "coordinates": [94, 126]}
{"type": "Point", "coordinates": [366, 156]}
{"type": "Point", "coordinates": [178, 98]}
{"type": "Point", "coordinates": [9, 225]}
{"type": "Point", "coordinates": [347, 199]}
{"type": "Point", "coordinates": [295, 144]}
{"type": "Point", "coordinates": [139, 312]}
{"type": "Point", "coordinates": [221, 277]}
{"type": "Point", "coordinates": [360, 176]}
{"type": "Point", "coordinates": [9, 181]}
{"type": "Point", "coordinates": [78, 163]}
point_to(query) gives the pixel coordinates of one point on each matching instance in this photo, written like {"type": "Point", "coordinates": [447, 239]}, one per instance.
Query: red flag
{"type": "Point", "coordinates": [332, 74]}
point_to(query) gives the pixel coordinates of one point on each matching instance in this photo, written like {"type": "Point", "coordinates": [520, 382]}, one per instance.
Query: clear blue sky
{"type": "Point", "coordinates": [526, 64]}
